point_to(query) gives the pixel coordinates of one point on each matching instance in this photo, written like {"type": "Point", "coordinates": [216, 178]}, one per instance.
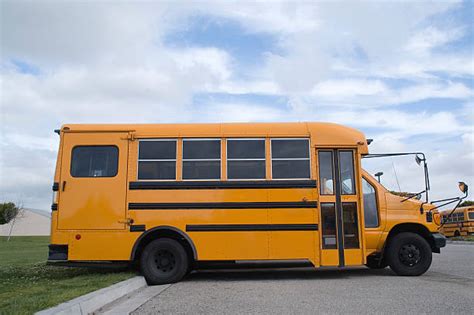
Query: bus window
{"type": "Point", "coordinates": [94, 161]}
{"type": "Point", "coordinates": [371, 215]}
{"type": "Point", "coordinates": [326, 173]}
{"type": "Point", "coordinates": [471, 215]}
{"type": "Point", "coordinates": [351, 230]}
{"type": "Point", "coordinates": [246, 159]}
{"type": "Point", "coordinates": [202, 159]}
{"type": "Point", "coordinates": [346, 163]}
{"type": "Point", "coordinates": [328, 219]}
{"type": "Point", "coordinates": [157, 159]}
{"type": "Point", "coordinates": [290, 158]}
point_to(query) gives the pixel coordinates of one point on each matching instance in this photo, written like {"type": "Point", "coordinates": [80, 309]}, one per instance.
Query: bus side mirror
{"type": "Point", "coordinates": [463, 187]}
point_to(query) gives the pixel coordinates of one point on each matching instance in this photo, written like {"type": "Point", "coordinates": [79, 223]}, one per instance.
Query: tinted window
{"type": "Point", "coordinates": [246, 159]}
{"type": "Point", "coordinates": [156, 170]}
{"type": "Point", "coordinates": [371, 215]}
{"type": "Point", "coordinates": [471, 215]}
{"type": "Point", "coordinates": [94, 161]}
{"type": "Point", "coordinates": [328, 219]}
{"type": "Point", "coordinates": [157, 159]}
{"type": "Point", "coordinates": [201, 149]}
{"type": "Point", "coordinates": [351, 229]}
{"type": "Point", "coordinates": [246, 149]}
{"type": "Point", "coordinates": [284, 149]}
{"type": "Point", "coordinates": [326, 173]}
{"type": "Point", "coordinates": [246, 169]}
{"type": "Point", "coordinates": [290, 158]}
{"type": "Point", "coordinates": [157, 150]}
{"type": "Point", "coordinates": [346, 165]}
{"type": "Point", "coordinates": [201, 169]}
{"type": "Point", "coordinates": [201, 159]}
{"type": "Point", "coordinates": [290, 169]}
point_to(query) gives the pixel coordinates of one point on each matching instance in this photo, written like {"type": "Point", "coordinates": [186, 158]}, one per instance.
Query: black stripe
{"type": "Point", "coordinates": [55, 186]}
{"type": "Point", "coordinates": [223, 184]}
{"type": "Point", "coordinates": [54, 207]}
{"type": "Point", "coordinates": [250, 227]}
{"type": "Point", "coordinates": [137, 228]}
{"type": "Point", "coordinates": [222, 205]}
{"type": "Point", "coordinates": [340, 235]}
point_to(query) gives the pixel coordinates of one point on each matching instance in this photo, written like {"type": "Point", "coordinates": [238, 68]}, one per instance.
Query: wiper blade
{"type": "Point", "coordinates": [413, 196]}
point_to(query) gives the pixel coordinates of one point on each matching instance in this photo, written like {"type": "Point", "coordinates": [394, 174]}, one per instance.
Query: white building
{"type": "Point", "coordinates": [30, 222]}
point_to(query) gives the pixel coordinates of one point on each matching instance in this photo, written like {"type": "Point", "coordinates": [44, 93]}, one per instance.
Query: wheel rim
{"type": "Point", "coordinates": [165, 261]}
{"type": "Point", "coordinates": [409, 255]}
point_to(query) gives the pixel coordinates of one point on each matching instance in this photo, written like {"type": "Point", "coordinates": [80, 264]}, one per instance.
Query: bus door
{"type": "Point", "coordinates": [93, 181]}
{"type": "Point", "coordinates": [340, 227]}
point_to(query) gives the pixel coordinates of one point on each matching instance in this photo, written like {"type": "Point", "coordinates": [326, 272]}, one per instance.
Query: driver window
{"type": "Point", "coordinates": [371, 215]}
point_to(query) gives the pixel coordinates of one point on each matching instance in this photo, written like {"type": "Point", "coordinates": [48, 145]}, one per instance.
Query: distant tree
{"type": "Point", "coordinates": [466, 203]}
{"type": "Point", "coordinates": [9, 212]}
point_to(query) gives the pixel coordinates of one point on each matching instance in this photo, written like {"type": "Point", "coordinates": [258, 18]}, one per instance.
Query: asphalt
{"type": "Point", "coordinates": [447, 288]}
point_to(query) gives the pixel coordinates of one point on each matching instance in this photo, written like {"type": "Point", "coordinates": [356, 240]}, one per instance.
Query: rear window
{"type": "Point", "coordinates": [94, 161]}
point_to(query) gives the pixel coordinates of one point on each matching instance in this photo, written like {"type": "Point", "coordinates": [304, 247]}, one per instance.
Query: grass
{"type": "Point", "coordinates": [28, 285]}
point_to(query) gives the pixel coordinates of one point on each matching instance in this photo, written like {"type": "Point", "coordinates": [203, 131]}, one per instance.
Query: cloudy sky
{"type": "Point", "coordinates": [402, 72]}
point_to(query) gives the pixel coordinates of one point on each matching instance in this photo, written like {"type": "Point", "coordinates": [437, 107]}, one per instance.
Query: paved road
{"type": "Point", "coordinates": [448, 287]}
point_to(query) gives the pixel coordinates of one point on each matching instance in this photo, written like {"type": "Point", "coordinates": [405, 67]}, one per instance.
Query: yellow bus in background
{"type": "Point", "coordinates": [459, 223]}
{"type": "Point", "coordinates": [172, 196]}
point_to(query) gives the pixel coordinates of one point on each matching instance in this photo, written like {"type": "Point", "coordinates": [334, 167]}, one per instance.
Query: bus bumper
{"type": "Point", "coordinates": [57, 252]}
{"type": "Point", "coordinates": [438, 241]}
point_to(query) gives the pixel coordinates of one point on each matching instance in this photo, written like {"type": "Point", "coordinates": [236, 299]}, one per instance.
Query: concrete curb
{"type": "Point", "coordinates": [91, 302]}
{"type": "Point", "coordinates": [460, 242]}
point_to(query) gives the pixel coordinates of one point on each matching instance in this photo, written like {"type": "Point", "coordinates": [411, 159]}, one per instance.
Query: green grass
{"type": "Point", "coordinates": [27, 285]}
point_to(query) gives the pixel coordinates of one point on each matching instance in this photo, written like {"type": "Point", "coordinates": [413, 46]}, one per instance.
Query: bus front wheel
{"type": "Point", "coordinates": [409, 254]}
{"type": "Point", "coordinates": [163, 260]}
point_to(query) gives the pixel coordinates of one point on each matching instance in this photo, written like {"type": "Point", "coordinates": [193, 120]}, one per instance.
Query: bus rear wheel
{"type": "Point", "coordinates": [457, 233]}
{"type": "Point", "coordinates": [409, 254]}
{"type": "Point", "coordinates": [163, 261]}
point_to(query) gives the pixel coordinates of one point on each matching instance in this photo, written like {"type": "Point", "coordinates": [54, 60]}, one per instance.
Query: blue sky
{"type": "Point", "coordinates": [402, 72]}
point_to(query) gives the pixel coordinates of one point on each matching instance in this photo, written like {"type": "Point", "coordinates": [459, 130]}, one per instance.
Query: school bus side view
{"type": "Point", "coordinates": [458, 223]}
{"type": "Point", "coordinates": [170, 196]}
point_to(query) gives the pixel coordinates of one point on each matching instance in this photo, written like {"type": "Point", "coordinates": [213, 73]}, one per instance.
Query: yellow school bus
{"type": "Point", "coordinates": [172, 196]}
{"type": "Point", "coordinates": [458, 223]}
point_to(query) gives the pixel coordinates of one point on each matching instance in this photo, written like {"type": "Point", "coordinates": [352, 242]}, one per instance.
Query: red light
{"type": "Point", "coordinates": [78, 236]}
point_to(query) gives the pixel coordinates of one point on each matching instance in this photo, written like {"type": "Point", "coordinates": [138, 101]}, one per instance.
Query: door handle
{"type": "Point", "coordinates": [128, 221]}
{"type": "Point", "coordinates": [63, 185]}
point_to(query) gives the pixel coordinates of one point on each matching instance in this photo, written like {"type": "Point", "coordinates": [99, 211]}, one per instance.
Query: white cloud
{"type": "Point", "coordinates": [424, 41]}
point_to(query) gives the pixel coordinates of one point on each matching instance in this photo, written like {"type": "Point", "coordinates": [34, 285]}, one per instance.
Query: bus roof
{"type": "Point", "coordinates": [322, 134]}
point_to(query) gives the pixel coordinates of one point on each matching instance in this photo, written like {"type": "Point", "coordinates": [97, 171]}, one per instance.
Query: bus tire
{"type": "Point", "coordinates": [457, 233]}
{"type": "Point", "coordinates": [164, 260]}
{"type": "Point", "coordinates": [409, 254]}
